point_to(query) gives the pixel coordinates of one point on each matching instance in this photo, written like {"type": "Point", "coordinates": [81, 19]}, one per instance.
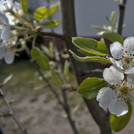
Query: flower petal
{"type": "Point", "coordinates": [5, 34]}
{"type": "Point", "coordinates": [115, 62]}
{"type": "Point", "coordinates": [129, 45]}
{"type": "Point", "coordinates": [113, 75]}
{"type": "Point", "coordinates": [130, 70]}
{"type": "Point", "coordinates": [116, 50]}
{"type": "Point", "coordinates": [105, 96]}
{"type": "Point", "coordinates": [118, 107]}
{"type": "Point", "coordinates": [130, 79]}
{"type": "Point", "coordinates": [9, 57]}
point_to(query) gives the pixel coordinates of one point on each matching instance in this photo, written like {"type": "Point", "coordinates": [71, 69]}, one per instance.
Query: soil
{"type": "Point", "coordinates": [39, 112]}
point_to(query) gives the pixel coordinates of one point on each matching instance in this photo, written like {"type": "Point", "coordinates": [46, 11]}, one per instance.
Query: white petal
{"type": "Point", "coordinates": [115, 62]}
{"type": "Point", "coordinates": [116, 50]}
{"type": "Point", "coordinates": [130, 70]}
{"type": "Point", "coordinates": [130, 79]}
{"type": "Point", "coordinates": [118, 107]}
{"type": "Point", "coordinates": [113, 75]}
{"type": "Point", "coordinates": [2, 52]}
{"type": "Point", "coordinates": [9, 57]}
{"type": "Point", "coordinates": [105, 96]}
{"type": "Point", "coordinates": [4, 19]}
{"type": "Point", "coordinates": [5, 34]}
{"type": "Point", "coordinates": [129, 45]}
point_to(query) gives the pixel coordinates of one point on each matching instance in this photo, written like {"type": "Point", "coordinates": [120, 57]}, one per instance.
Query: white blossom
{"type": "Point", "coordinates": [4, 30]}
{"type": "Point", "coordinates": [6, 6]}
{"type": "Point", "coordinates": [120, 91]}
{"type": "Point", "coordinates": [123, 56]}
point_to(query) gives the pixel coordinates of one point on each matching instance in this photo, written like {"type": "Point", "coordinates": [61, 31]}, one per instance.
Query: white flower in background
{"type": "Point", "coordinates": [7, 54]}
{"type": "Point", "coordinates": [6, 6]}
{"type": "Point", "coordinates": [6, 50]}
{"type": "Point", "coordinates": [118, 93]}
{"type": "Point", "coordinates": [123, 56]}
{"type": "Point", "coordinates": [4, 30]}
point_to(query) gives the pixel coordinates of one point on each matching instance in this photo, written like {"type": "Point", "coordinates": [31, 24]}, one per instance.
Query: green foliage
{"type": "Point", "coordinates": [98, 28]}
{"type": "Point", "coordinates": [41, 59]}
{"type": "Point", "coordinates": [24, 5]}
{"type": "Point", "coordinates": [91, 58]}
{"type": "Point", "coordinates": [112, 18]}
{"type": "Point", "coordinates": [56, 77]}
{"type": "Point", "coordinates": [51, 24]}
{"type": "Point", "coordinates": [89, 87]}
{"type": "Point", "coordinates": [43, 12]}
{"type": "Point", "coordinates": [112, 36]}
{"type": "Point", "coordinates": [90, 46]}
{"type": "Point", "coordinates": [51, 47]}
{"type": "Point", "coordinates": [118, 123]}
{"type": "Point", "coordinates": [66, 70]}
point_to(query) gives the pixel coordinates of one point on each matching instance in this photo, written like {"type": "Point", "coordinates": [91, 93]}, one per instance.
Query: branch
{"type": "Point", "coordinates": [51, 34]}
{"type": "Point", "coordinates": [66, 108]}
{"type": "Point", "coordinates": [122, 6]}
{"type": "Point", "coordinates": [51, 88]}
{"type": "Point", "coordinates": [68, 19]}
{"type": "Point", "coordinates": [11, 113]}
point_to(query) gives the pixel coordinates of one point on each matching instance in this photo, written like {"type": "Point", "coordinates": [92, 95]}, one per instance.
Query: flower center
{"type": "Point", "coordinates": [123, 91]}
{"type": "Point", "coordinates": [127, 60]}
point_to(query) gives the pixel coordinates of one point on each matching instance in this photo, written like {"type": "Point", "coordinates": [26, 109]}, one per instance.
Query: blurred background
{"type": "Point", "coordinates": [93, 12]}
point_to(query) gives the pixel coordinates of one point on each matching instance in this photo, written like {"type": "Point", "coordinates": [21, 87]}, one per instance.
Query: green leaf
{"type": "Point", "coordinates": [43, 12]}
{"type": "Point", "coordinates": [112, 18]}
{"type": "Point", "coordinates": [66, 70]}
{"type": "Point", "coordinates": [90, 46]}
{"type": "Point", "coordinates": [89, 87]}
{"type": "Point", "coordinates": [51, 47]}
{"type": "Point", "coordinates": [118, 123]}
{"type": "Point", "coordinates": [56, 77]}
{"type": "Point", "coordinates": [41, 59]}
{"type": "Point", "coordinates": [40, 13]}
{"type": "Point", "coordinates": [24, 5]}
{"type": "Point", "coordinates": [98, 28]}
{"type": "Point", "coordinates": [51, 24]}
{"type": "Point", "coordinates": [52, 10]}
{"type": "Point", "coordinates": [91, 58]}
{"type": "Point", "coordinates": [112, 36]}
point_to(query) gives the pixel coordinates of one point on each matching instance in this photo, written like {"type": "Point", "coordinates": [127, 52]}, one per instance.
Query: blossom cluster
{"type": "Point", "coordinates": [120, 78]}
{"type": "Point", "coordinates": [8, 39]}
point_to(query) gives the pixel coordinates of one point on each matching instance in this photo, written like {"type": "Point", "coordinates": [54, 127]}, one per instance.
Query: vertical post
{"type": "Point", "coordinates": [122, 6]}
{"type": "Point", "coordinates": [69, 30]}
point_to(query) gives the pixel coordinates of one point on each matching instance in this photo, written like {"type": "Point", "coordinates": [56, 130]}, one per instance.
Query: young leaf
{"type": "Point", "coordinates": [41, 59]}
{"type": "Point", "coordinates": [118, 123]}
{"type": "Point", "coordinates": [90, 46]}
{"type": "Point", "coordinates": [112, 18]}
{"type": "Point", "coordinates": [89, 87]}
{"type": "Point", "coordinates": [52, 10]}
{"type": "Point", "coordinates": [56, 77]}
{"type": "Point", "coordinates": [51, 24]}
{"type": "Point", "coordinates": [98, 28]}
{"type": "Point", "coordinates": [112, 36]}
{"type": "Point", "coordinates": [51, 47]}
{"type": "Point", "coordinates": [24, 5]}
{"type": "Point", "coordinates": [91, 58]}
{"type": "Point", "coordinates": [40, 13]}
{"type": "Point", "coordinates": [66, 70]}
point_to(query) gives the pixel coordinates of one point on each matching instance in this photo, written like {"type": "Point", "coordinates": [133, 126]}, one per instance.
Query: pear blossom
{"type": "Point", "coordinates": [6, 6]}
{"type": "Point", "coordinates": [4, 30]}
{"type": "Point", "coordinates": [123, 56]}
{"type": "Point", "coordinates": [119, 92]}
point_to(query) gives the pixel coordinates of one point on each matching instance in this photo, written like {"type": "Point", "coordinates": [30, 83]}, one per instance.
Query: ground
{"type": "Point", "coordinates": [36, 107]}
